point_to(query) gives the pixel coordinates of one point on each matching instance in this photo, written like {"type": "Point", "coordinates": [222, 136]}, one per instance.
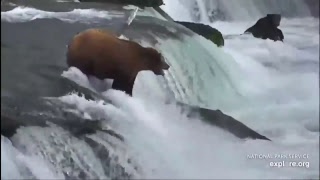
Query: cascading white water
{"type": "Point", "coordinates": [236, 10]}
{"type": "Point", "coordinates": [203, 12]}
{"type": "Point", "coordinates": [270, 86]}
{"type": "Point", "coordinates": [252, 56]}
{"type": "Point", "coordinates": [170, 145]}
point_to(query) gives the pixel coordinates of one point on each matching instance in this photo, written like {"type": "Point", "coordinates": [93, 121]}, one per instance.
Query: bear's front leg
{"type": "Point", "coordinates": [123, 83]}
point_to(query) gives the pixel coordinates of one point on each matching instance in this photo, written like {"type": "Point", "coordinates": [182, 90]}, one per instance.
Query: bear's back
{"type": "Point", "coordinates": [101, 53]}
{"type": "Point", "coordinates": [92, 43]}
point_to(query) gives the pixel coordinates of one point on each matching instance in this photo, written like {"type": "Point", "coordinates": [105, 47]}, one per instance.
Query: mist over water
{"type": "Point", "coordinates": [239, 10]}
{"type": "Point", "coordinates": [272, 87]}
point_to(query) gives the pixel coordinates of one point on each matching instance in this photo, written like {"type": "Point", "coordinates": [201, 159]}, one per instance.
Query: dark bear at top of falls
{"type": "Point", "coordinates": [267, 28]}
{"type": "Point", "coordinates": [102, 54]}
{"type": "Point", "coordinates": [206, 31]}
{"type": "Point", "coordinates": [140, 3]}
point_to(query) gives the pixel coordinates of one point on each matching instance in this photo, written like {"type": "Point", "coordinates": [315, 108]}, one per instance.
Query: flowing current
{"type": "Point", "coordinates": [272, 87]}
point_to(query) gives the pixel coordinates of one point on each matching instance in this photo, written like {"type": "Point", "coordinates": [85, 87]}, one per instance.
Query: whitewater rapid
{"type": "Point", "coordinates": [272, 87]}
{"type": "Point", "coordinates": [238, 82]}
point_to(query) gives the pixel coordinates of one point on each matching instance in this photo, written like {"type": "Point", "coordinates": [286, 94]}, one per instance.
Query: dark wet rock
{"type": "Point", "coordinates": [140, 3]}
{"type": "Point", "coordinates": [267, 28]}
{"type": "Point", "coordinates": [223, 121]}
{"type": "Point", "coordinates": [206, 31]}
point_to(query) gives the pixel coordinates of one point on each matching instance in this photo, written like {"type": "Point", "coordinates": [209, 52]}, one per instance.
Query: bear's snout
{"type": "Point", "coordinates": [165, 66]}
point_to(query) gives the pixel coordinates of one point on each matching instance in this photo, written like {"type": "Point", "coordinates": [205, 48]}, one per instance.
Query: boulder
{"type": "Point", "coordinates": [267, 28]}
{"type": "Point", "coordinates": [206, 31]}
{"type": "Point", "coordinates": [219, 119]}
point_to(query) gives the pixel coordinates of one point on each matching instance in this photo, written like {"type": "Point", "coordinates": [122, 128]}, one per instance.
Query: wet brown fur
{"type": "Point", "coordinates": [102, 54]}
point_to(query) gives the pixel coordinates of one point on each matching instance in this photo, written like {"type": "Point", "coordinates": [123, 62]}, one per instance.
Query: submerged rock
{"type": "Point", "coordinates": [140, 3]}
{"type": "Point", "coordinates": [223, 121]}
{"type": "Point", "coordinates": [51, 113]}
{"type": "Point", "coordinates": [267, 28]}
{"type": "Point", "coordinates": [9, 125]}
{"type": "Point", "coordinates": [206, 31]}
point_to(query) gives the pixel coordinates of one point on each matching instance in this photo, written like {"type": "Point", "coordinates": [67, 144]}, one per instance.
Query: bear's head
{"type": "Point", "coordinates": [274, 19]}
{"type": "Point", "coordinates": [154, 61]}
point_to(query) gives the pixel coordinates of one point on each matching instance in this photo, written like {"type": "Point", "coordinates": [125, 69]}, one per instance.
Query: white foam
{"type": "Point", "coordinates": [246, 10]}
{"type": "Point", "coordinates": [15, 164]}
{"type": "Point", "coordinates": [170, 145]}
{"type": "Point", "coordinates": [25, 14]}
{"type": "Point", "coordinates": [176, 10]}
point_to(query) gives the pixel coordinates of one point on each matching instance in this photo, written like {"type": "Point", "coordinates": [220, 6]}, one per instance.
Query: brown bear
{"type": "Point", "coordinates": [102, 54]}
